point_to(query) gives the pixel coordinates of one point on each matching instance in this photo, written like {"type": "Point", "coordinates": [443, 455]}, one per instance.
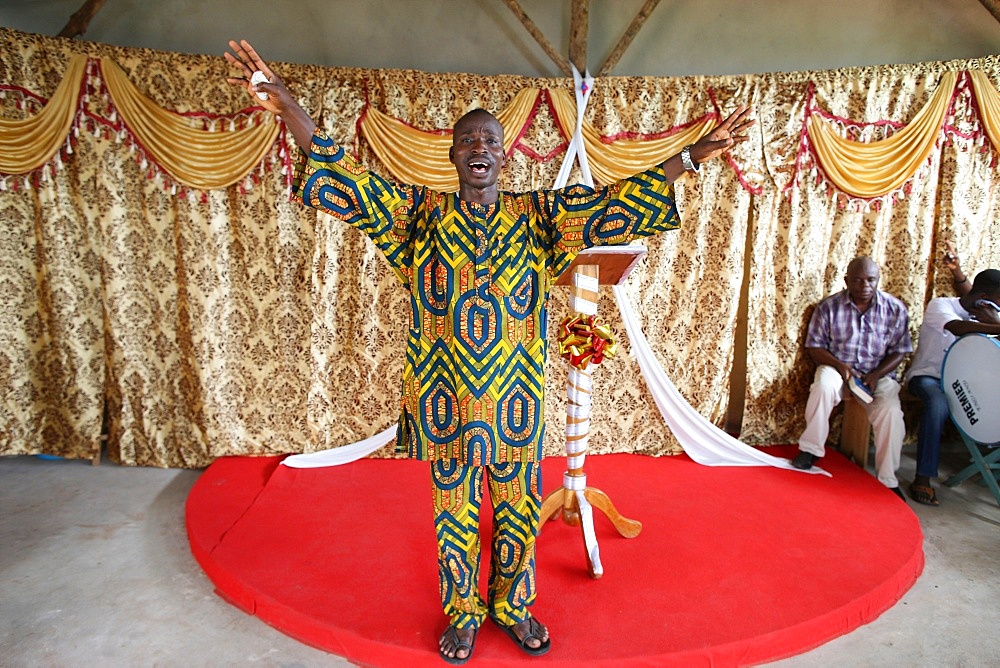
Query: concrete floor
{"type": "Point", "coordinates": [95, 570]}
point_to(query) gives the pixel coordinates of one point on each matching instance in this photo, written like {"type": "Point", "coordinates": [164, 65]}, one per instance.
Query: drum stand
{"type": "Point", "coordinates": [575, 501]}
{"type": "Point", "coordinates": [968, 376]}
{"type": "Point", "coordinates": [987, 465]}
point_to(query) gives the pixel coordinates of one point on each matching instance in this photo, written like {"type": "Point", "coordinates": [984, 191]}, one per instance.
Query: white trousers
{"type": "Point", "coordinates": [884, 414]}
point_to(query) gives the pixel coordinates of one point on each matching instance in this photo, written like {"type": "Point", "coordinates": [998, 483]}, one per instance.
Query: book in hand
{"type": "Point", "coordinates": [860, 390]}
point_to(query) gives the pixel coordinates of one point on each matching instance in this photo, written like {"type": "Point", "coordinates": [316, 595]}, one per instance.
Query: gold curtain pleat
{"type": "Point", "coordinates": [989, 105]}
{"type": "Point", "coordinates": [28, 144]}
{"type": "Point", "coordinates": [612, 161]}
{"type": "Point", "coordinates": [193, 157]}
{"type": "Point", "coordinates": [877, 168]}
{"type": "Point", "coordinates": [420, 157]}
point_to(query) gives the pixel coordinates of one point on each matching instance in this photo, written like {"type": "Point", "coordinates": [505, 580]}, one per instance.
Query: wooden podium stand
{"type": "Point", "coordinates": [608, 265]}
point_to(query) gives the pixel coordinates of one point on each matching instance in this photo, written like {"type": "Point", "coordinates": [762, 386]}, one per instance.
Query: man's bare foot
{"type": "Point", "coordinates": [456, 645]}
{"type": "Point", "coordinates": [536, 636]}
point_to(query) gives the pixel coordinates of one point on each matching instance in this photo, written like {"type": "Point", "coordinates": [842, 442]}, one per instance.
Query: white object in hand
{"type": "Point", "coordinates": [259, 77]}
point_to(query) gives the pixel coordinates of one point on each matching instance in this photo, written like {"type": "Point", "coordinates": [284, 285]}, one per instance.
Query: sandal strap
{"type": "Point", "coordinates": [533, 626]}
{"type": "Point", "coordinates": [452, 634]}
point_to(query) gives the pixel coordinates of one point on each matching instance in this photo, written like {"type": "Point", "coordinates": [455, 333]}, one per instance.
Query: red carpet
{"type": "Point", "coordinates": [734, 566]}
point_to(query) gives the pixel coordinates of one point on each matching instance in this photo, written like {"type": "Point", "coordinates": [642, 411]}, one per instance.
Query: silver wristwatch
{"type": "Point", "coordinates": [686, 160]}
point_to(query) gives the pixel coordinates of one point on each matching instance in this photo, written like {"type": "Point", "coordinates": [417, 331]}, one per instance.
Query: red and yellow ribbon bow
{"type": "Point", "coordinates": [584, 339]}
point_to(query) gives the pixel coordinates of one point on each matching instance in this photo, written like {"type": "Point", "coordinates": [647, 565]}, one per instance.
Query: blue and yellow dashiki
{"type": "Point", "coordinates": [478, 277]}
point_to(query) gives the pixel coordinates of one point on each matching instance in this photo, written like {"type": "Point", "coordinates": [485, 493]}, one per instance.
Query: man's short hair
{"type": "Point", "coordinates": [987, 281]}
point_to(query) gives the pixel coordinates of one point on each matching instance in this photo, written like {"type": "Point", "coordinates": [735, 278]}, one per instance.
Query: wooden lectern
{"type": "Point", "coordinates": [608, 265]}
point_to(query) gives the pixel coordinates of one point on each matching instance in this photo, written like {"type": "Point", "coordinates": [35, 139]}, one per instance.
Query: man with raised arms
{"type": "Point", "coordinates": [478, 265]}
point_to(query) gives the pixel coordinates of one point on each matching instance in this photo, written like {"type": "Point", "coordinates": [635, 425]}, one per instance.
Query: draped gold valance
{"type": "Point", "coordinates": [613, 160]}
{"type": "Point", "coordinates": [26, 145]}
{"type": "Point", "coordinates": [877, 168]}
{"type": "Point", "coordinates": [989, 105]}
{"type": "Point", "coordinates": [192, 156]}
{"type": "Point", "coordinates": [212, 158]}
{"type": "Point", "coordinates": [419, 156]}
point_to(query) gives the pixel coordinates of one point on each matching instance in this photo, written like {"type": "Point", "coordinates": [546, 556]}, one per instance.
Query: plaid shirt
{"type": "Point", "coordinates": [861, 340]}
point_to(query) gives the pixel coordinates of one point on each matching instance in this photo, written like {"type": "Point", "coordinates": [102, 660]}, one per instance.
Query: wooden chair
{"type": "Point", "coordinates": [855, 432]}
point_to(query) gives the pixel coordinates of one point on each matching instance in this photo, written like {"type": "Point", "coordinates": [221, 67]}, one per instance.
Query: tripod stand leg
{"type": "Point", "coordinates": [626, 527]}
{"type": "Point", "coordinates": [551, 506]}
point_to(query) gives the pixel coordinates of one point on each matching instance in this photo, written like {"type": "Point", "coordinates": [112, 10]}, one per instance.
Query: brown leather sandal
{"type": "Point", "coordinates": [534, 631]}
{"type": "Point", "coordinates": [924, 494]}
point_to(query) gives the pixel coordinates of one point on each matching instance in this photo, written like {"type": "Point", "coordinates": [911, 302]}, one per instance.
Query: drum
{"type": "Point", "coordinates": [970, 377]}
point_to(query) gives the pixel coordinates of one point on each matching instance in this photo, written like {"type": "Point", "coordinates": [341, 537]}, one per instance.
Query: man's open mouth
{"type": "Point", "coordinates": [479, 167]}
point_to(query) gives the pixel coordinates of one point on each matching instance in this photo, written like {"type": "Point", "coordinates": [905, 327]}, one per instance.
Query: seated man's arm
{"type": "Point", "coordinates": [824, 356]}
{"type": "Point", "coordinates": [888, 364]}
{"type": "Point", "coordinates": [963, 327]}
{"type": "Point", "coordinates": [897, 344]}
{"type": "Point", "coordinates": [987, 321]}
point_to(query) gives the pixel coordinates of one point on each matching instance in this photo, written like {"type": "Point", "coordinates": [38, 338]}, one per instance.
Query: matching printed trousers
{"type": "Point", "coordinates": [515, 495]}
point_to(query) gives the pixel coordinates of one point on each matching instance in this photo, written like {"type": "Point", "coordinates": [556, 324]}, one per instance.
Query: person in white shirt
{"type": "Point", "coordinates": [945, 319]}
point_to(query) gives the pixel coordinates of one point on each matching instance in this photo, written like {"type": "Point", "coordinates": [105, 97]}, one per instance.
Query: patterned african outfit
{"type": "Point", "coordinates": [473, 381]}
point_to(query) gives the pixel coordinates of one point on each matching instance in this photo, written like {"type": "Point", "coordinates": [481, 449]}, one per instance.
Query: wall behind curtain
{"type": "Point", "coordinates": [231, 321]}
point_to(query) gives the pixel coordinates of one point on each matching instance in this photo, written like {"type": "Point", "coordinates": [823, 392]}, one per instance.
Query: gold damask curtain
{"type": "Point", "coordinates": [157, 277]}
{"type": "Point", "coordinates": [808, 228]}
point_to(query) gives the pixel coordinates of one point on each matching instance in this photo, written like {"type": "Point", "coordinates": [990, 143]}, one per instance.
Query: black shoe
{"type": "Point", "coordinates": [898, 492]}
{"type": "Point", "coordinates": [804, 460]}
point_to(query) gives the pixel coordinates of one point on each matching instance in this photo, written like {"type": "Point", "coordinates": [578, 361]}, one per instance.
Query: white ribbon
{"type": "Point", "coordinates": [702, 441]}
{"type": "Point", "coordinates": [582, 305]}
{"type": "Point", "coordinates": [574, 482]}
{"type": "Point", "coordinates": [589, 536]}
{"type": "Point", "coordinates": [345, 454]}
{"type": "Point", "coordinates": [581, 380]}
{"type": "Point", "coordinates": [588, 283]}
{"type": "Point", "coordinates": [583, 85]}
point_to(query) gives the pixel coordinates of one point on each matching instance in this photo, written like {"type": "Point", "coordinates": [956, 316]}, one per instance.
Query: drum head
{"type": "Point", "coordinates": [970, 377]}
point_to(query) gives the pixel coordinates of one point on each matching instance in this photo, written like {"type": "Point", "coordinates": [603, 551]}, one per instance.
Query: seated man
{"type": "Point", "coordinates": [945, 319]}
{"type": "Point", "coordinates": [862, 333]}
